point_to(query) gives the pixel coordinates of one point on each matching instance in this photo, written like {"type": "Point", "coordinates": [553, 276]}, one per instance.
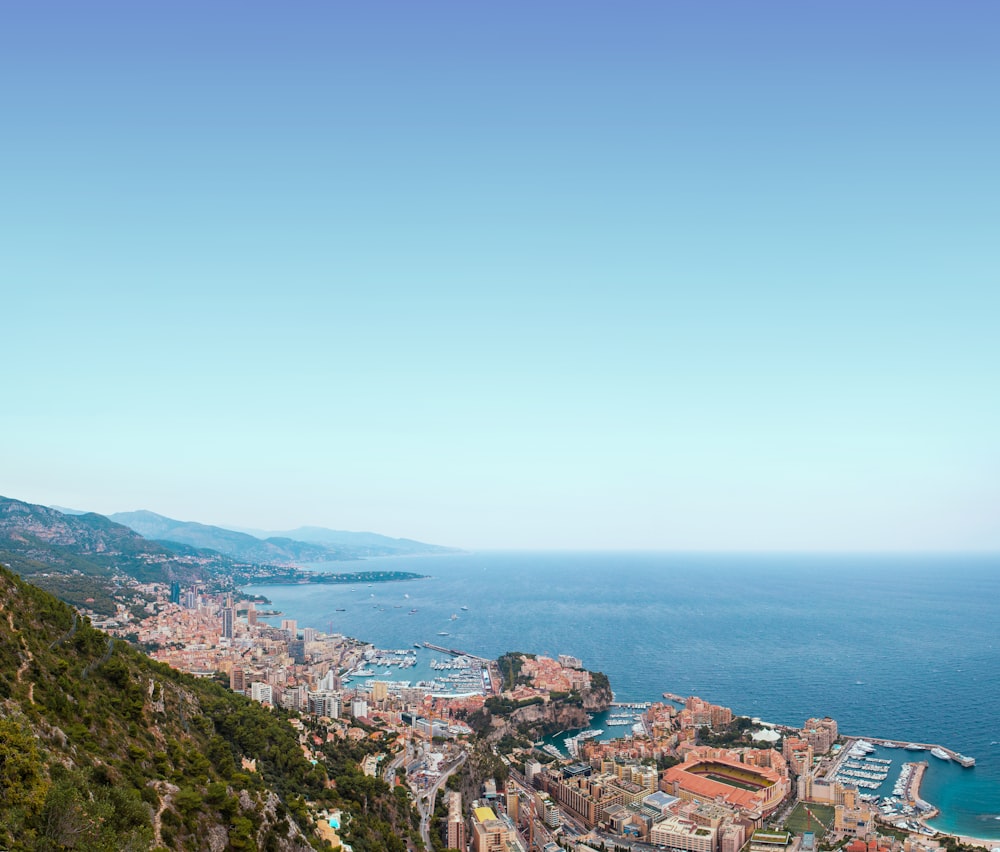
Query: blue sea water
{"type": "Point", "coordinates": [901, 647]}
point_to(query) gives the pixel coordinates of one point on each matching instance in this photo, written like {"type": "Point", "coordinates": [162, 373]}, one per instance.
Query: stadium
{"type": "Point", "coordinates": [709, 775]}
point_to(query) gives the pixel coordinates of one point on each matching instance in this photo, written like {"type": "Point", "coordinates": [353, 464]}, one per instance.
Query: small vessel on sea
{"type": "Point", "coordinates": [465, 609]}
{"type": "Point", "coordinates": [442, 633]}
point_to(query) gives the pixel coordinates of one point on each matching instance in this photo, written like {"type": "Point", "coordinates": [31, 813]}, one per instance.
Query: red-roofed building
{"type": "Point", "coordinates": [717, 775]}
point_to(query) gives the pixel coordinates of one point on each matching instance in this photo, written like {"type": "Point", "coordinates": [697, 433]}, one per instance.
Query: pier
{"type": "Point", "coordinates": [631, 705]}
{"type": "Point", "coordinates": [958, 757]}
{"type": "Point", "coordinates": [454, 652]}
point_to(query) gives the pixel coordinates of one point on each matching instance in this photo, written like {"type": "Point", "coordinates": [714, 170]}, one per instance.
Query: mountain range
{"type": "Point", "coordinates": [88, 559]}
{"type": "Point", "coordinates": [305, 544]}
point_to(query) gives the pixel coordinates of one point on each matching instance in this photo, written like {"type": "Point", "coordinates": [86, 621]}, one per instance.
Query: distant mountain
{"type": "Point", "coordinates": [306, 544]}
{"type": "Point", "coordinates": [360, 541]}
{"type": "Point", "coordinates": [235, 544]}
{"type": "Point", "coordinates": [77, 556]}
{"type": "Point", "coordinates": [67, 511]}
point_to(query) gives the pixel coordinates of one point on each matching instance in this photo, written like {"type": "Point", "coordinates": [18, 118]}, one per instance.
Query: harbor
{"type": "Point", "coordinates": [872, 765]}
{"type": "Point", "coordinates": [457, 674]}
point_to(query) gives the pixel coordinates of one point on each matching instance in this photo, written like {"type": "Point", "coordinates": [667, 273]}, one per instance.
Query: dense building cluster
{"type": "Point", "coordinates": [662, 784]}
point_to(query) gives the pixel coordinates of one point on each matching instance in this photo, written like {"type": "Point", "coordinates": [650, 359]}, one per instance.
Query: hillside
{"type": "Point", "coordinates": [89, 543]}
{"type": "Point", "coordinates": [84, 558]}
{"type": "Point", "coordinates": [103, 749]}
{"type": "Point", "coordinates": [100, 748]}
{"type": "Point", "coordinates": [235, 544]}
{"type": "Point", "coordinates": [296, 547]}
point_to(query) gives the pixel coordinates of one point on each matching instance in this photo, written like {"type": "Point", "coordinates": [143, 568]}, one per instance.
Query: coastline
{"type": "Point", "coordinates": [975, 841]}
{"type": "Point", "coordinates": [507, 602]}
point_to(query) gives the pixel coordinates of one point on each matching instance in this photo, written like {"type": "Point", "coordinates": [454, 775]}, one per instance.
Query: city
{"type": "Point", "coordinates": [689, 775]}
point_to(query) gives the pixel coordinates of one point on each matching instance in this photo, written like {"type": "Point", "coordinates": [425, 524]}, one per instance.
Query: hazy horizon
{"type": "Point", "coordinates": [660, 277]}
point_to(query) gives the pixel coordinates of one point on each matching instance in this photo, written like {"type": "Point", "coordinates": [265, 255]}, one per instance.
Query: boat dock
{"type": "Point", "coordinates": [631, 705]}
{"type": "Point", "coordinates": [936, 750]}
{"type": "Point", "coordinates": [454, 652]}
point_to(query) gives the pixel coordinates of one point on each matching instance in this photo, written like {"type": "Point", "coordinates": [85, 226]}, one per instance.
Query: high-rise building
{"type": "Point", "coordinates": [251, 613]}
{"type": "Point", "coordinates": [324, 703]}
{"type": "Point", "coordinates": [228, 618]}
{"type": "Point", "coordinates": [290, 625]}
{"type": "Point", "coordinates": [294, 697]}
{"type": "Point", "coordinates": [456, 825]}
{"type": "Point", "coordinates": [551, 816]}
{"type": "Point", "coordinates": [820, 734]}
{"type": "Point", "coordinates": [330, 681]}
{"type": "Point", "coordinates": [262, 692]}
{"type": "Point", "coordinates": [175, 593]}
{"type": "Point", "coordinates": [237, 679]}
{"type": "Point", "coordinates": [489, 834]}
{"type": "Point", "coordinates": [513, 802]}
{"type": "Point", "coordinates": [308, 634]}
{"type": "Point", "coordinates": [380, 690]}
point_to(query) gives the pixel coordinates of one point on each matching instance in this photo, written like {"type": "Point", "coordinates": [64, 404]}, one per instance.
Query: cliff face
{"type": "Point", "coordinates": [542, 719]}
{"type": "Point", "coordinates": [598, 698]}
{"type": "Point", "coordinates": [537, 718]}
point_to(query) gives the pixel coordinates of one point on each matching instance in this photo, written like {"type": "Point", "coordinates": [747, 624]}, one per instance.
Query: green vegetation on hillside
{"type": "Point", "coordinates": [104, 749]}
{"type": "Point", "coordinates": [101, 748]}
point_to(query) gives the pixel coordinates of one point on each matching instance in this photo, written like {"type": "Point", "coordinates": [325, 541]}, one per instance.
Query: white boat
{"type": "Point", "coordinates": [940, 753]}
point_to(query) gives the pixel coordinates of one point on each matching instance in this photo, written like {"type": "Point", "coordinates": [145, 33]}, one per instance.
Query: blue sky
{"type": "Point", "coordinates": [674, 275]}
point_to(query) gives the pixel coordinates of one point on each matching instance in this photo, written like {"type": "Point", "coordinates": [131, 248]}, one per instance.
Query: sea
{"type": "Point", "coordinates": [899, 647]}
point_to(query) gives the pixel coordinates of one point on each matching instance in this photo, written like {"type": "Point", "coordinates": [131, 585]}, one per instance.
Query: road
{"type": "Point", "coordinates": [389, 773]}
{"type": "Point", "coordinates": [426, 798]}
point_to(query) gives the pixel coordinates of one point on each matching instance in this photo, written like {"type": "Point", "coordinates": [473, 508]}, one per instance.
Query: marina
{"type": "Point", "coordinates": [900, 806]}
{"type": "Point", "coordinates": [939, 751]}
{"type": "Point", "coordinates": [573, 743]}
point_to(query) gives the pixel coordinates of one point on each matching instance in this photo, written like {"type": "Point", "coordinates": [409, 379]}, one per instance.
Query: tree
{"type": "Point", "coordinates": [22, 786]}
